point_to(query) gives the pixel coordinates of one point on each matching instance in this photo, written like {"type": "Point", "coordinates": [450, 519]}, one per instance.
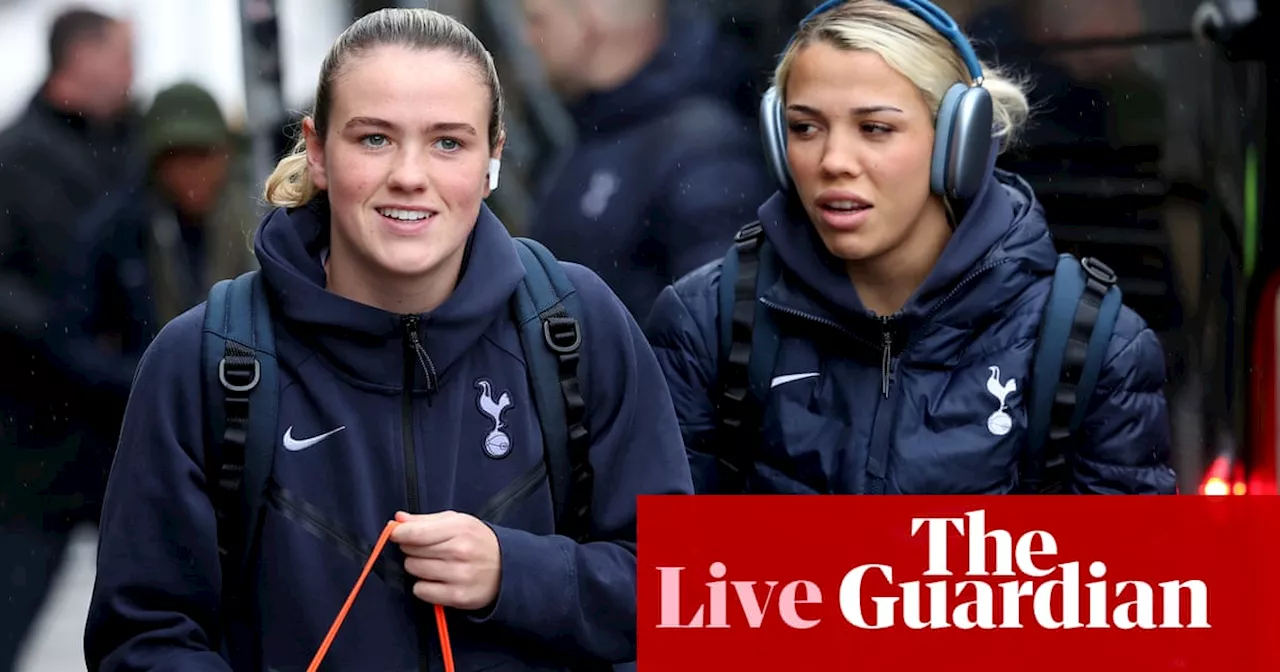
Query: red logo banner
{"type": "Point", "coordinates": [1104, 584]}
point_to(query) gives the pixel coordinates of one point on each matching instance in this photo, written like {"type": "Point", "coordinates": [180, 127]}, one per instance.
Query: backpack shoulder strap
{"type": "Point", "coordinates": [241, 399]}
{"type": "Point", "coordinates": [1076, 326]}
{"type": "Point", "coordinates": [748, 347]}
{"type": "Point", "coordinates": [547, 311]}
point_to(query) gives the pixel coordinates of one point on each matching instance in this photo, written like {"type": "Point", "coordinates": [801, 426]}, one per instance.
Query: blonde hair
{"type": "Point", "coordinates": [290, 184]}
{"type": "Point", "coordinates": [916, 50]}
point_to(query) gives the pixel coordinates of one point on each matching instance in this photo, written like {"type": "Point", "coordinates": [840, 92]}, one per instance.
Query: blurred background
{"type": "Point", "coordinates": [1148, 151]}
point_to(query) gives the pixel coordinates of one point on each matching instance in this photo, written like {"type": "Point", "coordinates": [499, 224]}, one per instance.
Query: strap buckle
{"type": "Point", "coordinates": [562, 334]}
{"type": "Point", "coordinates": [239, 370]}
{"type": "Point", "coordinates": [1099, 271]}
{"type": "Point", "coordinates": [748, 233]}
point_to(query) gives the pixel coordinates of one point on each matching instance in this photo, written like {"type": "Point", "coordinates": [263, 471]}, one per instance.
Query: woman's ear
{"type": "Point", "coordinates": [315, 154]}
{"type": "Point", "coordinates": [495, 166]}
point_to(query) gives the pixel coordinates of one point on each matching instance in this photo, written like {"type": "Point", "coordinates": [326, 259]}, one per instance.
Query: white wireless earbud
{"type": "Point", "coordinates": [494, 166]}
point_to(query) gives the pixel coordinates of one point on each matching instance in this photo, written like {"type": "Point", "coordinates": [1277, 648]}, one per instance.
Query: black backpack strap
{"type": "Point", "coordinates": [241, 399]}
{"type": "Point", "coordinates": [744, 366]}
{"type": "Point", "coordinates": [547, 311]}
{"type": "Point", "coordinates": [1075, 329]}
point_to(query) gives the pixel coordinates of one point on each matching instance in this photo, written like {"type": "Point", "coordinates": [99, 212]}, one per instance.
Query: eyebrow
{"type": "Point", "coordinates": [440, 127]}
{"type": "Point", "coordinates": [857, 111]}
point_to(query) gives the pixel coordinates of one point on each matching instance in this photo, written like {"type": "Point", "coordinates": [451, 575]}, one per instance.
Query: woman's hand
{"type": "Point", "coordinates": [454, 556]}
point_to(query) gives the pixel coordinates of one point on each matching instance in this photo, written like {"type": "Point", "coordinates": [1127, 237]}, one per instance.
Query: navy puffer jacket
{"type": "Point", "coordinates": [839, 417]}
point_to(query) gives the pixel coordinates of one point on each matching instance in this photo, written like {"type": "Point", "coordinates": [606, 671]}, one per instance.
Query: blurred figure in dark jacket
{"type": "Point", "coordinates": [1097, 97]}
{"type": "Point", "coordinates": [667, 164]}
{"type": "Point", "coordinates": [148, 253]}
{"type": "Point", "coordinates": [66, 150]}
{"type": "Point", "coordinates": [180, 230]}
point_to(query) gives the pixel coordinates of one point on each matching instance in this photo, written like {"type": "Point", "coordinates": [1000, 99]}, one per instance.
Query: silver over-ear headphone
{"type": "Point", "coordinates": [495, 166]}
{"type": "Point", "coordinates": [963, 134]}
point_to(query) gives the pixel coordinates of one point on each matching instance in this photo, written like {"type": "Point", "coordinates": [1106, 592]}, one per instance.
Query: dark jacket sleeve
{"type": "Point", "coordinates": [1125, 441]}
{"type": "Point", "coordinates": [27, 227]}
{"type": "Point", "coordinates": [155, 603]}
{"type": "Point", "coordinates": [682, 330]}
{"type": "Point", "coordinates": [581, 598]}
{"type": "Point", "coordinates": [89, 281]}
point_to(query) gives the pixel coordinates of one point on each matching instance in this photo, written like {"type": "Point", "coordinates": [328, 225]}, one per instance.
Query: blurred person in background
{"type": "Point", "coordinates": [146, 254]}
{"type": "Point", "coordinates": [1097, 96]}
{"type": "Point", "coordinates": [67, 150]}
{"type": "Point", "coordinates": [667, 164]}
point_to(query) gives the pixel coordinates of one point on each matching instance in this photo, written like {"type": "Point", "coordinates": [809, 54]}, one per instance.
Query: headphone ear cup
{"type": "Point", "coordinates": [938, 168]}
{"type": "Point", "coordinates": [969, 160]}
{"type": "Point", "coordinates": [962, 143]}
{"type": "Point", "coordinates": [773, 135]}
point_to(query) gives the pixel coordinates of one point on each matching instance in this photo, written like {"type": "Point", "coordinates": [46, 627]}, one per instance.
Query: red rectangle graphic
{"type": "Point", "coordinates": [959, 583]}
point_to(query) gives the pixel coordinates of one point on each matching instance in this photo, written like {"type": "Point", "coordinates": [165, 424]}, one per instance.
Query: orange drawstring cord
{"type": "Point", "coordinates": [445, 649]}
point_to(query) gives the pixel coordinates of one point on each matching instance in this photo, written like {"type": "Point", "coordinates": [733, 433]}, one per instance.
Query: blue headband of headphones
{"type": "Point", "coordinates": [962, 150]}
{"type": "Point", "coordinates": [931, 14]}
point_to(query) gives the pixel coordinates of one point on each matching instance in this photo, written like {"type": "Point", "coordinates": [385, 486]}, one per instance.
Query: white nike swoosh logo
{"type": "Point", "coordinates": [791, 378]}
{"type": "Point", "coordinates": [294, 445]}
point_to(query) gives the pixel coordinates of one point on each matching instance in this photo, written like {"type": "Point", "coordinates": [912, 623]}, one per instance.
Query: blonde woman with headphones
{"type": "Point", "coordinates": [898, 320]}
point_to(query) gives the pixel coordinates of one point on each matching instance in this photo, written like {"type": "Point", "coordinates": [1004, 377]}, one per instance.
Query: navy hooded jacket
{"type": "Point", "coordinates": [363, 434]}
{"type": "Point", "coordinates": [664, 170]}
{"type": "Point", "coordinates": [839, 413]}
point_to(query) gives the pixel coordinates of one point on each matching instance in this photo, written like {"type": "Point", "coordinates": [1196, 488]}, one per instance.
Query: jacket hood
{"type": "Point", "coordinates": [1002, 237]}
{"type": "Point", "coordinates": [693, 60]}
{"type": "Point", "coordinates": [359, 339]}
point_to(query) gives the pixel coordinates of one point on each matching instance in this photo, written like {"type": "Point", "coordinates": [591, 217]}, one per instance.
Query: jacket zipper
{"type": "Point", "coordinates": [886, 358]}
{"type": "Point", "coordinates": [309, 518]}
{"type": "Point", "coordinates": [816, 319]}
{"type": "Point", "coordinates": [517, 490]}
{"type": "Point", "coordinates": [878, 455]}
{"type": "Point", "coordinates": [885, 344]}
{"type": "Point", "coordinates": [974, 275]}
{"type": "Point", "coordinates": [414, 353]}
{"type": "Point", "coordinates": [886, 406]}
